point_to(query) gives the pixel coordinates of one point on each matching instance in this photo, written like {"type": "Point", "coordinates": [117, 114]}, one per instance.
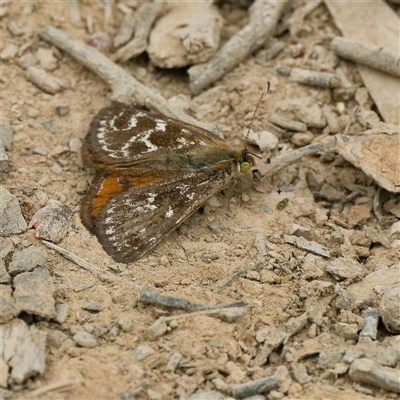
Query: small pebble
{"type": "Point", "coordinates": [141, 352]}
{"type": "Point", "coordinates": [215, 227]}
{"type": "Point", "coordinates": [63, 109]}
{"type": "Point", "coordinates": [49, 126]}
{"type": "Point", "coordinates": [27, 60]}
{"type": "Point", "coordinates": [85, 339]}
{"type": "Point", "coordinates": [358, 214]}
{"type": "Point", "coordinates": [9, 52]}
{"type": "Point", "coordinates": [6, 135]}
{"type": "Point", "coordinates": [56, 168]}
{"type": "Point", "coordinates": [301, 139]}
{"type": "Point", "coordinates": [93, 306]}
{"type": "Point", "coordinates": [371, 323]}
{"type": "Point", "coordinates": [62, 313]}
{"type": "Point", "coordinates": [126, 323]}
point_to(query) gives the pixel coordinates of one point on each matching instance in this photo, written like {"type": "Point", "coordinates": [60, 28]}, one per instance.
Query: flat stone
{"type": "Point", "coordinates": [377, 352]}
{"type": "Point", "coordinates": [347, 331]}
{"type": "Point", "coordinates": [27, 260]}
{"type": "Point", "coordinates": [6, 135]}
{"type": "Point", "coordinates": [9, 52]}
{"type": "Point", "coordinates": [364, 291]}
{"type": "Point", "coordinates": [51, 222]}
{"type": "Point", "coordinates": [85, 339]}
{"type": "Point", "coordinates": [371, 319]}
{"type": "Point", "coordinates": [300, 373]}
{"type": "Point", "coordinates": [359, 214]}
{"type": "Point", "coordinates": [56, 338]}
{"type": "Point", "coordinates": [11, 219]}
{"type": "Point", "coordinates": [389, 309]}
{"type": "Point", "coordinates": [4, 373]}
{"type": "Point", "coordinates": [126, 323]}
{"type": "Point", "coordinates": [4, 275]}
{"type": "Point", "coordinates": [93, 306]}
{"type": "Point", "coordinates": [34, 293]}
{"type": "Point", "coordinates": [24, 350]}
{"type": "Point", "coordinates": [62, 313]}
{"type": "Point", "coordinates": [345, 268]}
{"type": "Point", "coordinates": [141, 352]}
{"type": "Point", "coordinates": [5, 247]}
{"type": "Point", "coordinates": [209, 395]}
{"type": "Point", "coordinates": [329, 357]}
{"type": "Point", "coordinates": [9, 308]}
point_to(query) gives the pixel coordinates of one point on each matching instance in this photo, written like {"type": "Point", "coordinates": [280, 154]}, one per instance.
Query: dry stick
{"type": "Point", "coordinates": [232, 279]}
{"type": "Point", "coordinates": [263, 20]}
{"type": "Point", "coordinates": [149, 296]}
{"type": "Point", "coordinates": [283, 161]}
{"type": "Point", "coordinates": [74, 258]}
{"type": "Point", "coordinates": [379, 58]}
{"type": "Point", "coordinates": [145, 16]}
{"type": "Point", "coordinates": [309, 77]}
{"type": "Point", "coordinates": [60, 385]}
{"type": "Point", "coordinates": [125, 88]}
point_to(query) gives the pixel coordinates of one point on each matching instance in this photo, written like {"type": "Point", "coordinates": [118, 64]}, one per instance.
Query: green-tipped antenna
{"type": "Point", "coordinates": [265, 90]}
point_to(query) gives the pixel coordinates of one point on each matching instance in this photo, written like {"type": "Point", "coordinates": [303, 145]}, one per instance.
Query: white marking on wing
{"type": "Point", "coordinates": [169, 213]}
{"type": "Point", "coordinates": [161, 126]}
{"type": "Point", "coordinates": [145, 139]}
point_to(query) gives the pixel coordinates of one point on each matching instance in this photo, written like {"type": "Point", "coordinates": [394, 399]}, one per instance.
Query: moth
{"type": "Point", "coordinates": [152, 173]}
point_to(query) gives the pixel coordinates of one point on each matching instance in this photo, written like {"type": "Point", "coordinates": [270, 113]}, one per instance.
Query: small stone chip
{"type": "Point", "coordinates": [85, 339]}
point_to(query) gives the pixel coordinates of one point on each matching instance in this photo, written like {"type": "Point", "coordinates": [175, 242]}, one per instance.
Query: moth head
{"type": "Point", "coordinates": [245, 162]}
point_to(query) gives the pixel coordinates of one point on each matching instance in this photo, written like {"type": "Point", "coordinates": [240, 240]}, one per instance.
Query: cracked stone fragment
{"type": "Point", "coordinates": [27, 260]}
{"type": "Point", "coordinates": [389, 309]}
{"type": "Point", "coordinates": [345, 268]}
{"type": "Point", "coordinates": [4, 275]}
{"type": "Point", "coordinates": [85, 339]}
{"type": "Point", "coordinates": [4, 373]}
{"type": "Point", "coordinates": [34, 293]}
{"type": "Point", "coordinates": [51, 222]}
{"type": "Point", "coordinates": [23, 349]}
{"type": "Point", "coordinates": [376, 155]}
{"type": "Point", "coordinates": [189, 34]}
{"type": "Point", "coordinates": [9, 309]}
{"type": "Point", "coordinates": [11, 219]}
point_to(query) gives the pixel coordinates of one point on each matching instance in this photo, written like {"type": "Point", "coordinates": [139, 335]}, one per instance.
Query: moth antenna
{"type": "Point", "coordinates": [265, 90]}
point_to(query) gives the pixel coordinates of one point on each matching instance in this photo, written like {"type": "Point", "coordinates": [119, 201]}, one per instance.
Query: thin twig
{"type": "Point", "coordinates": [53, 386]}
{"type": "Point", "coordinates": [126, 89]}
{"type": "Point", "coordinates": [283, 161]}
{"type": "Point", "coordinates": [149, 296]}
{"type": "Point", "coordinates": [74, 258]}
{"type": "Point", "coordinates": [232, 279]}
{"type": "Point", "coordinates": [264, 17]}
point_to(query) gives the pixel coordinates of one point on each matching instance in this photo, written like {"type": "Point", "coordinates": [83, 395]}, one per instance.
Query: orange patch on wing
{"type": "Point", "coordinates": [109, 188]}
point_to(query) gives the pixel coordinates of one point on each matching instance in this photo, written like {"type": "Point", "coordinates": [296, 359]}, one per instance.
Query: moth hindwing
{"type": "Point", "coordinates": [152, 172]}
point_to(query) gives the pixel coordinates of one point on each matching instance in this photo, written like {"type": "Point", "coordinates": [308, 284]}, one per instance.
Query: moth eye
{"type": "Point", "coordinates": [245, 167]}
